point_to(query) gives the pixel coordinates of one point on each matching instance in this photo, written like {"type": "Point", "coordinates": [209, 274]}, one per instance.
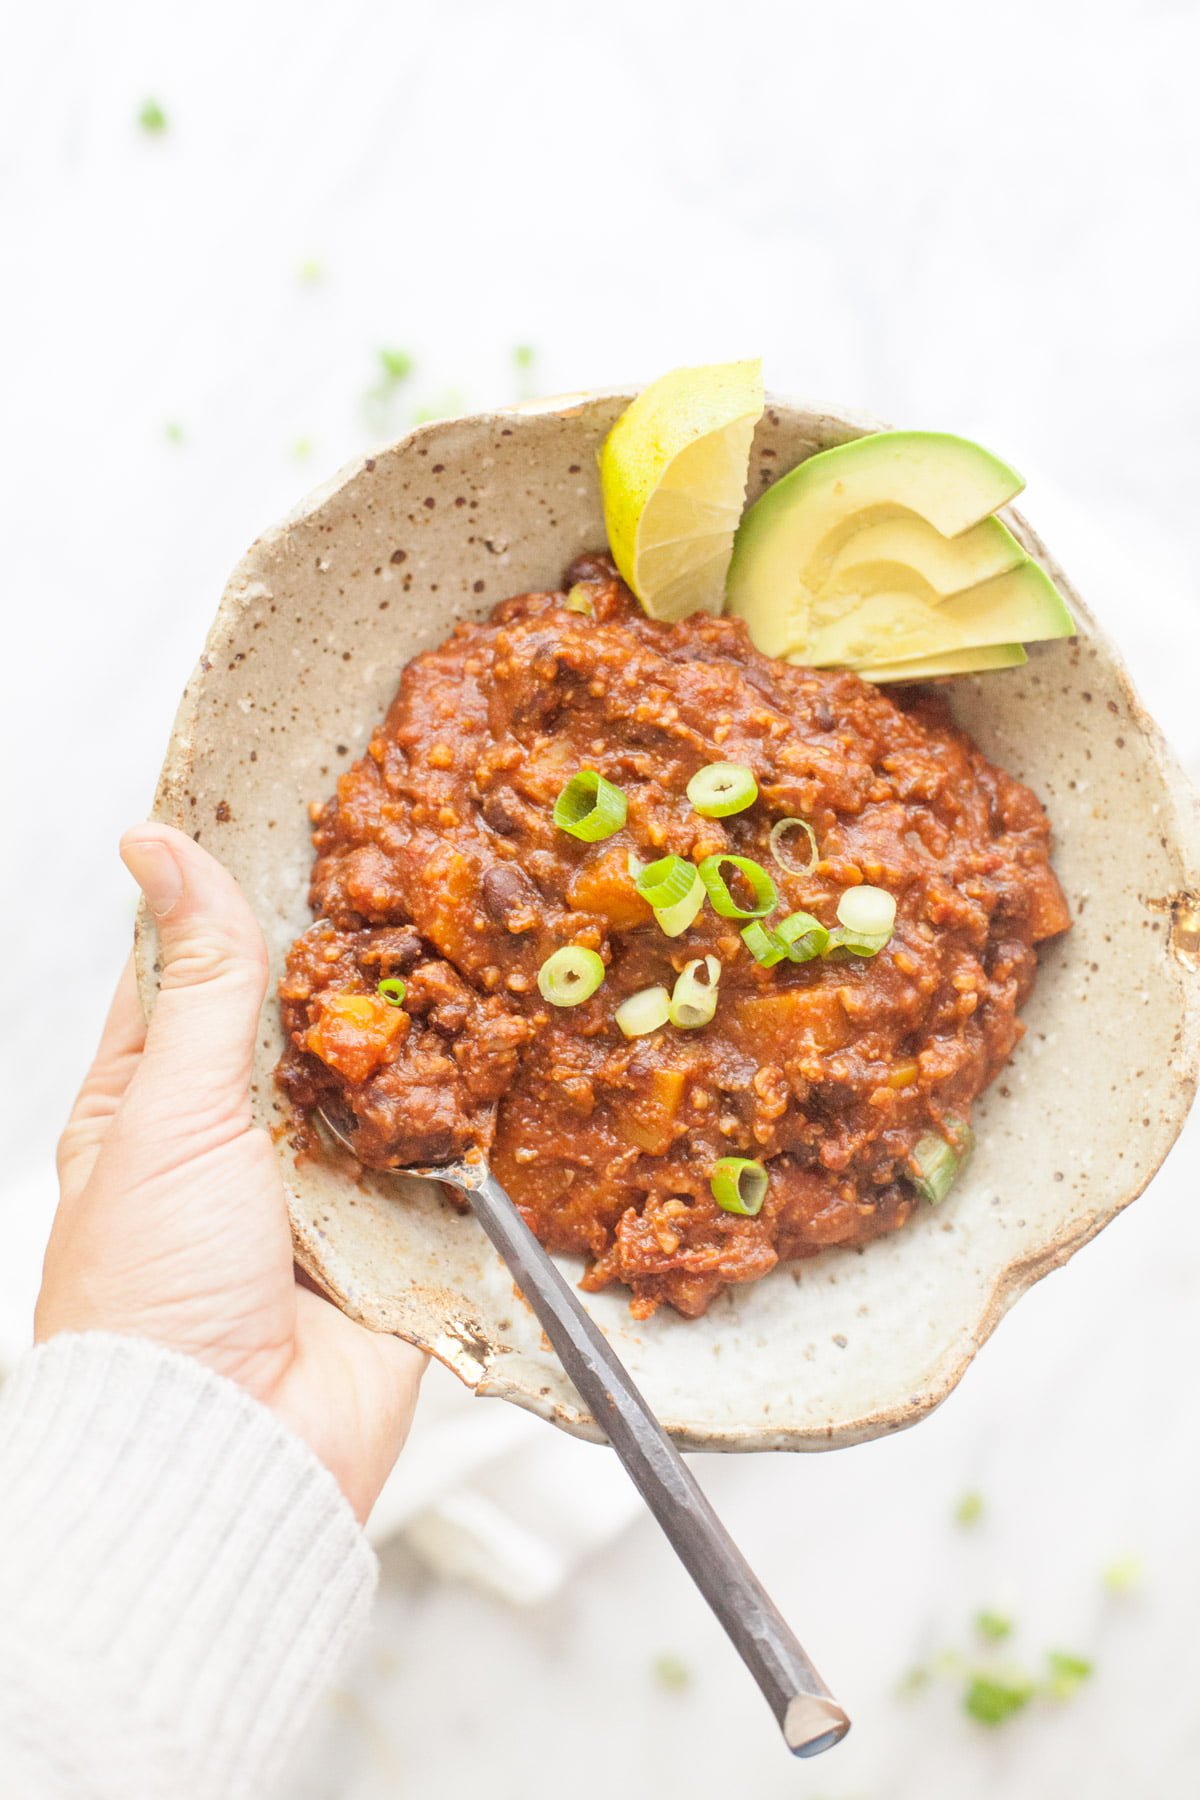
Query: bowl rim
{"type": "Point", "coordinates": [1012, 1278]}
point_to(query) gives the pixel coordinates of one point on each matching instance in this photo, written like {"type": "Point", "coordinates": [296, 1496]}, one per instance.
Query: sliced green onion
{"type": "Point", "coordinates": [762, 944]}
{"type": "Point", "coordinates": [664, 882]}
{"type": "Point", "coordinates": [720, 789]}
{"type": "Point", "coordinates": [858, 943]}
{"type": "Point", "coordinates": [676, 919]}
{"type": "Point", "coordinates": [570, 976]}
{"type": "Point", "coordinates": [779, 831]}
{"type": "Point", "coordinates": [867, 911]}
{"type": "Point", "coordinates": [392, 990]}
{"type": "Point", "coordinates": [644, 1011]}
{"type": "Point", "coordinates": [693, 1001]}
{"type": "Point", "coordinates": [934, 1163]}
{"type": "Point", "coordinates": [723, 902]}
{"type": "Point", "coordinates": [579, 600]}
{"type": "Point", "coordinates": [634, 865]}
{"type": "Point", "coordinates": [673, 887]}
{"type": "Point", "coordinates": [739, 1185]}
{"type": "Point", "coordinates": [867, 915]}
{"type": "Point", "coordinates": [802, 937]}
{"type": "Point", "coordinates": [589, 807]}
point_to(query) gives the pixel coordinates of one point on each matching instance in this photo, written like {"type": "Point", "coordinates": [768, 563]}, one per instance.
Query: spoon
{"type": "Point", "coordinates": [807, 1713]}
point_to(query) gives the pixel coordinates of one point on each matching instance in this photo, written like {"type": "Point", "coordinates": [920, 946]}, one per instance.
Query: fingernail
{"type": "Point", "coordinates": [156, 873]}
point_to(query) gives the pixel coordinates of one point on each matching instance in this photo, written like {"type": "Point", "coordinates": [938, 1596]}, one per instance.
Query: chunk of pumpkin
{"type": "Point", "coordinates": [1048, 911]}
{"type": "Point", "coordinates": [648, 1117]}
{"type": "Point", "coordinates": [605, 886]}
{"type": "Point", "coordinates": [773, 1027]}
{"type": "Point", "coordinates": [355, 1033]}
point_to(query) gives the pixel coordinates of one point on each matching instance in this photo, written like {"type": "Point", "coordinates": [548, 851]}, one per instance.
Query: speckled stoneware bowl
{"type": "Point", "coordinates": [302, 661]}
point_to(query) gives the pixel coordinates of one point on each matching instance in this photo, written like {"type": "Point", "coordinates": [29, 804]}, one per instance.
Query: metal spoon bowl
{"type": "Point", "coordinates": [809, 1717]}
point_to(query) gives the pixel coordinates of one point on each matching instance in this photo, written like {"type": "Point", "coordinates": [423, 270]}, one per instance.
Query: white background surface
{"type": "Point", "coordinates": [953, 215]}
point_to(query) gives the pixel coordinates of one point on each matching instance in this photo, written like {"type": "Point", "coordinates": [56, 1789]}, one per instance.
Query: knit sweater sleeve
{"type": "Point", "coordinates": [179, 1577]}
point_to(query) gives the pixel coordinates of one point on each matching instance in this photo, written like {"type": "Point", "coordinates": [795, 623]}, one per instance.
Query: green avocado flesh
{"type": "Point", "coordinates": [1022, 606]}
{"type": "Point", "coordinates": [910, 552]}
{"type": "Point", "coordinates": [954, 662]}
{"type": "Point", "coordinates": [883, 552]}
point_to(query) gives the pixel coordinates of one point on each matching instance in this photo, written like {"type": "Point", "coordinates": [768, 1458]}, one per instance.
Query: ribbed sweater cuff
{"type": "Point", "coordinates": [163, 1531]}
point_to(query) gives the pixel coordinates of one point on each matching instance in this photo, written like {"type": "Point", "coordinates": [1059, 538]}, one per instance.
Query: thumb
{"type": "Point", "coordinates": [200, 1042]}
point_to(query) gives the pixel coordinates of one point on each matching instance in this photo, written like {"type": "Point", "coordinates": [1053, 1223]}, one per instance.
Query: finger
{"type": "Point", "coordinates": [112, 1067]}
{"type": "Point", "coordinates": [200, 1040]}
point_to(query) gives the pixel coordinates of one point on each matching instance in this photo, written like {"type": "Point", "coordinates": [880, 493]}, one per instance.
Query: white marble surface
{"type": "Point", "coordinates": [959, 216]}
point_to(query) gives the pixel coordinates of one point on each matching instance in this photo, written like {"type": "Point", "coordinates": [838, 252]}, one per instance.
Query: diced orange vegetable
{"type": "Point", "coordinates": [648, 1119]}
{"type": "Point", "coordinates": [452, 881]}
{"type": "Point", "coordinates": [774, 1026]}
{"type": "Point", "coordinates": [605, 886]}
{"type": "Point", "coordinates": [1048, 914]}
{"type": "Point", "coordinates": [356, 1033]}
{"type": "Point", "coordinates": [903, 1075]}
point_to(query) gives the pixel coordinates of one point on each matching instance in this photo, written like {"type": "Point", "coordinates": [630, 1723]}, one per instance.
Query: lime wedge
{"type": "Point", "coordinates": [673, 478]}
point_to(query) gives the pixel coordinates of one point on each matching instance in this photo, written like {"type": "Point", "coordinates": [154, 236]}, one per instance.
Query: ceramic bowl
{"type": "Point", "coordinates": [303, 657]}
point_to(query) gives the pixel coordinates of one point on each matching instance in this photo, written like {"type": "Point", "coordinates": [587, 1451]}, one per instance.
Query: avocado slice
{"type": "Point", "coordinates": [789, 539]}
{"type": "Point", "coordinates": [954, 662]}
{"type": "Point", "coordinates": [1021, 606]}
{"type": "Point", "coordinates": [908, 552]}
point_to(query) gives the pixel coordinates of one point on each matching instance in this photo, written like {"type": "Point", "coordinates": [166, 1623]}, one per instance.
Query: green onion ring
{"type": "Point", "coordinates": [570, 976]}
{"type": "Point", "coordinates": [578, 600]}
{"type": "Point", "coordinates": [644, 1011]}
{"type": "Point", "coordinates": [722, 788]}
{"type": "Point", "coordinates": [867, 912]}
{"type": "Point", "coordinates": [762, 944]}
{"type": "Point", "coordinates": [392, 990]}
{"type": "Point", "coordinates": [674, 920]}
{"type": "Point", "coordinates": [634, 865]}
{"type": "Point", "coordinates": [739, 1185]}
{"type": "Point", "coordinates": [802, 937]}
{"type": "Point", "coordinates": [694, 1002]}
{"type": "Point", "coordinates": [664, 882]}
{"type": "Point", "coordinates": [779, 831]}
{"type": "Point", "coordinates": [589, 807]}
{"type": "Point", "coordinates": [723, 902]}
{"type": "Point", "coordinates": [934, 1163]}
{"type": "Point", "coordinates": [858, 943]}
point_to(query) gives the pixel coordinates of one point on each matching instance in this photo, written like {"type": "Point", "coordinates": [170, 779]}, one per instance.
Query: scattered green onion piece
{"type": "Point", "coordinates": [644, 1011]}
{"type": "Point", "coordinates": [589, 807]}
{"type": "Point", "coordinates": [779, 831]}
{"type": "Point", "coordinates": [723, 902]}
{"type": "Point", "coordinates": [802, 937]}
{"type": "Point", "coordinates": [867, 912]}
{"type": "Point", "coordinates": [969, 1510]}
{"type": "Point", "coordinates": [392, 990]}
{"type": "Point", "coordinates": [762, 944]}
{"type": "Point", "coordinates": [994, 1698]}
{"type": "Point", "coordinates": [722, 788]}
{"type": "Point", "coordinates": [1067, 1672]}
{"type": "Point", "coordinates": [675, 919]}
{"type": "Point", "coordinates": [570, 976]}
{"type": "Point", "coordinates": [693, 1001]}
{"type": "Point", "coordinates": [934, 1163]}
{"type": "Point", "coordinates": [578, 600]}
{"type": "Point", "coordinates": [664, 882]}
{"type": "Point", "coordinates": [634, 865]}
{"type": "Point", "coordinates": [859, 943]}
{"type": "Point", "coordinates": [739, 1185]}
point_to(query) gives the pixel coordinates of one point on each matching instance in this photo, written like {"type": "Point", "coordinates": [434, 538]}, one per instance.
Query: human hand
{"type": "Point", "coordinates": [172, 1222]}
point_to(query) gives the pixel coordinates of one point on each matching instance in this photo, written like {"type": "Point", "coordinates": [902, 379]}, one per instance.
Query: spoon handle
{"type": "Point", "coordinates": [809, 1717]}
